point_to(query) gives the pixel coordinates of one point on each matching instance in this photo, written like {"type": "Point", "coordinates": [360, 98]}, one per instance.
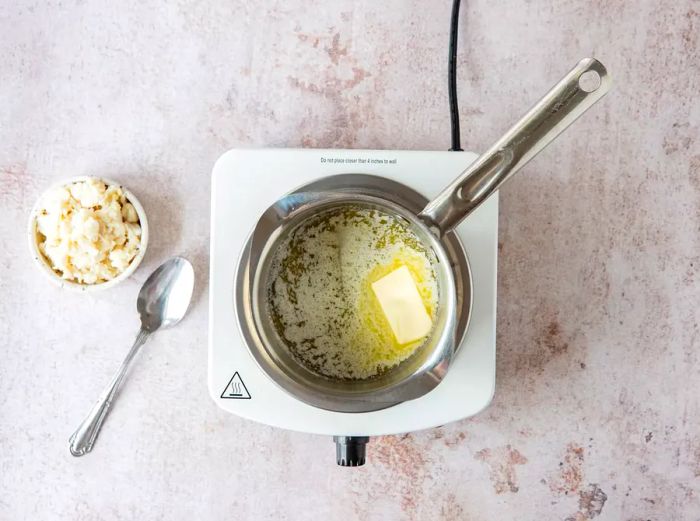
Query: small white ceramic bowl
{"type": "Point", "coordinates": [43, 263]}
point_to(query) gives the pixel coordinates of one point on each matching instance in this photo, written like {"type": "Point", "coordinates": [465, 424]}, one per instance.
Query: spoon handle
{"type": "Point", "coordinates": [83, 439]}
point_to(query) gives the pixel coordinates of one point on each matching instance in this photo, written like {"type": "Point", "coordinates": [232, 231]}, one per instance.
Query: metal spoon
{"type": "Point", "coordinates": [162, 302]}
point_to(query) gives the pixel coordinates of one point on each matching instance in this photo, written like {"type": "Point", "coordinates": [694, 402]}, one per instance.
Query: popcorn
{"type": "Point", "coordinates": [129, 213]}
{"type": "Point", "coordinates": [87, 231]}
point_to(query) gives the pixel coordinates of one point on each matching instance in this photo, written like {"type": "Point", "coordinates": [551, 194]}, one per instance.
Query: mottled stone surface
{"type": "Point", "coordinates": [596, 413]}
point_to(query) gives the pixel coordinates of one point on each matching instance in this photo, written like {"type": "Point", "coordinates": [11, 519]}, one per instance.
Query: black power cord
{"type": "Point", "coordinates": [452, 78]}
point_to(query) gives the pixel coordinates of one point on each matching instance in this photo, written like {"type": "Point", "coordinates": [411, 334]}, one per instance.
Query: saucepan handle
{"type": "Point", "coordinates": [560, 107]}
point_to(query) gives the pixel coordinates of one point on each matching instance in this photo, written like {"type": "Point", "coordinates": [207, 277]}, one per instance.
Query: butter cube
{"type": "Point", "coordinates": [402, 305]}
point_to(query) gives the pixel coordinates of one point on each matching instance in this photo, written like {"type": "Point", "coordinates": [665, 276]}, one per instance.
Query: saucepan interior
{"type": "Point", "coordinates": [434, 352]}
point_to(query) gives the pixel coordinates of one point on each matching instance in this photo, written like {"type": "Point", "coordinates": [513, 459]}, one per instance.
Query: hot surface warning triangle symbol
{"type": "Point", "coordinates": [236, 389]}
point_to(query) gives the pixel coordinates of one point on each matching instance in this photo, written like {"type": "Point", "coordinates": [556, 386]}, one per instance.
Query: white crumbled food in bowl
{"type": "Point", "coordinates": [88, 232]}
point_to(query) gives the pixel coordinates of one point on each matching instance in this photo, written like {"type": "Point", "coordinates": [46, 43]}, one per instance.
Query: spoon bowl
{"type": "Point", "coordinates": [166, 294]}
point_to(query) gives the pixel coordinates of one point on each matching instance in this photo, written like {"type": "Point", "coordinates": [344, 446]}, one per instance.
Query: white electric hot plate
{"type": "Point", "coordinates": [244, 184]}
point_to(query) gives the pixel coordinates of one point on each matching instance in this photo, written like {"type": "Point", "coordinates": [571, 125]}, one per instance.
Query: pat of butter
{"type": "Point", "coordinates": [402, 305]}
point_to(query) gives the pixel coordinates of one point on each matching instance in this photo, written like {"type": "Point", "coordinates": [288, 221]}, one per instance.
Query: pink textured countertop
{"type": "Point", "coordinates": [597, 408]}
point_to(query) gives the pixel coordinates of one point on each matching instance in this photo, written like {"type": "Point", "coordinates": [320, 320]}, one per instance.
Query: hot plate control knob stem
{"type": "Point", "coordinates": [350, 450]}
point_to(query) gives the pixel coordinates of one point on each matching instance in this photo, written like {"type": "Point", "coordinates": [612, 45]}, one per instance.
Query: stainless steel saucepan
{"type": "Point", "coordinates": [560, 107]}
